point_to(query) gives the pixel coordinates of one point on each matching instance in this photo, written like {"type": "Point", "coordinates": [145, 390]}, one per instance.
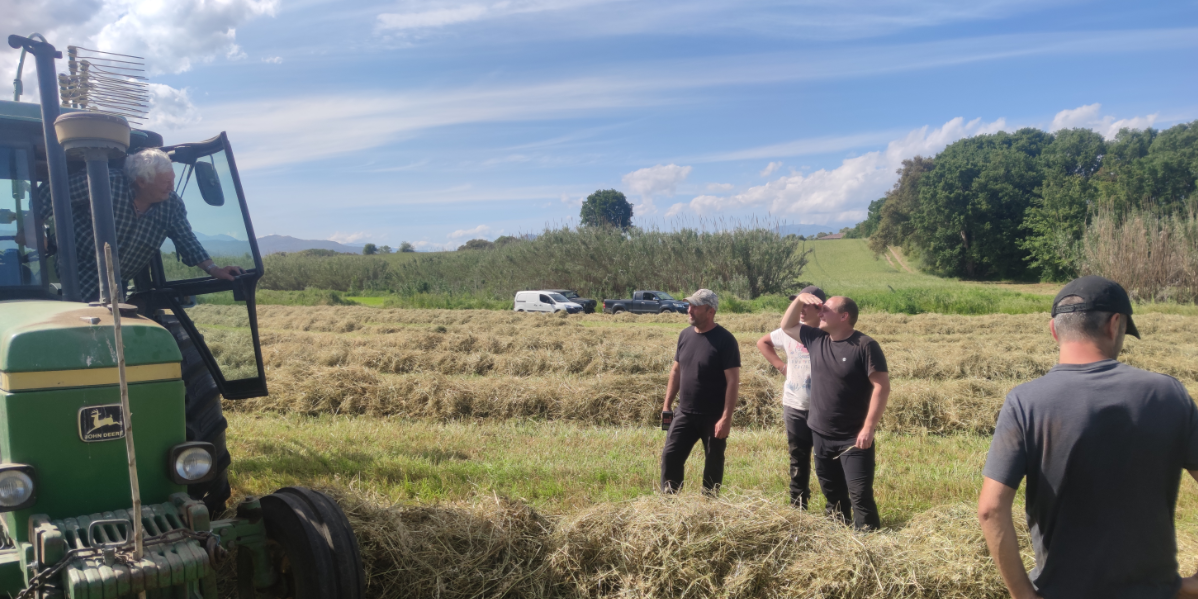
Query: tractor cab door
{"type": "Point", "coordinates": [219, 315]}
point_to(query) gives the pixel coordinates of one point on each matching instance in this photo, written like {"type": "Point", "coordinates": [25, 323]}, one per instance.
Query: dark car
{"type": "Point", "coordinates": [645, 302]}
{"type": "Point", "coordinates": [588, 305]}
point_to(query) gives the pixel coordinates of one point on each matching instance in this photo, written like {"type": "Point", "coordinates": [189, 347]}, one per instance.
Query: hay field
{"type": "Point", "coordinates": [949, 373]}
{"type": "Point", "coordinates": [487, 454]}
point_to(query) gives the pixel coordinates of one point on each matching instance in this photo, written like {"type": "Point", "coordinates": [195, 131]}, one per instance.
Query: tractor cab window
{"type": "Point", "coordinates": [22, 245]}
{"type": "Point", "coordinates": [208, 190]}
{"type": "Point", "coordinates": [219, 314]}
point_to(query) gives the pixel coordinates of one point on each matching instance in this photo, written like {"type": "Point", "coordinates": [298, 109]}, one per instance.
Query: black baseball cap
{"type": "Point", "coordinates": [813, 290]}
{"type": "Point", "coordinates": [1098, 294]}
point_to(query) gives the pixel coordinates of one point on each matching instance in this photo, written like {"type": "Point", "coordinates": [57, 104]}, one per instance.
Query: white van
{"type": "Point", "coordinates": [545, 301]}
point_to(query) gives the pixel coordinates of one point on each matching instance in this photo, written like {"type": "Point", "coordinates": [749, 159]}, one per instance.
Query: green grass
{"type": "Point", "coordinates": [269, 297]}
{"type": "Point", "coordinates": [561, 467]}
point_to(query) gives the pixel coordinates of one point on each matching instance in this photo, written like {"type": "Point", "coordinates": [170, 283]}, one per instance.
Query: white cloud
{"type": "Point", "coordinates": [675, 210]}
{"type": "Point", "coordinates": [718, 187]}
{"type": "Point", "coordinates": [1089, 117]}
{"type": "Point", "coordinates": [652, 181]}
{"type": "Point", "coordinates": [432, 18]}
{"type": "Point", "coordinates": [340, 237]}
{"type": "Point", "coordinates": [274, 60]}
{"type": "Point", "coordinates": [656, 180]}
{"type": "Point", "coordinates": [431, 15]}
{"type": "Point", "coordinates": [770, 168]}
{"type": "Point", "coordinates": [170, 108]}
{"type": "Point", "coordinates": [480, 230]}
{"type": "Point", "coordinates": [171, 37]}
{"type": "Point", "coordinates": [841, 193]}
{"type": "Point", "coordinates": [566, 199]}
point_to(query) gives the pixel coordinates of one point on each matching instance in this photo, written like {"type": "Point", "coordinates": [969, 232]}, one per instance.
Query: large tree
{"type": "Point", "coordinates": [1056, 217]}
{"type": "Point", "coordinates": [606, 207]}
{"type": "Point", "coordinates": [972, 205]}
{"type": "Point", "coordinates": [894, 216]}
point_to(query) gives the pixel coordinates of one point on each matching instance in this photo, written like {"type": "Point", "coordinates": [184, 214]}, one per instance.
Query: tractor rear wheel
{"type": "Point", "coordinates": [205, 418]}
{"type": "Point", "coordinates": [313, 546]}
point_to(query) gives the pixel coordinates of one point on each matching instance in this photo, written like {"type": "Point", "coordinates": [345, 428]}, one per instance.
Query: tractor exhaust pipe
{"type": "Point", "coordinates": [96, 138]}
{"type": "Point", "coordinates": [64, 221]}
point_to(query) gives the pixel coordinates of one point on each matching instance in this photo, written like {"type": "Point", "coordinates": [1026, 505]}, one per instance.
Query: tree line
{"type": "Point", "coordinates": [1017, 206]}
{"type": "Point", "coordinates": [747, 259]}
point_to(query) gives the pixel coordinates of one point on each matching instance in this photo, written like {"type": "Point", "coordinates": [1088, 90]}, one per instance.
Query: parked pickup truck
{"type": "Point", "coordinates": [588, 305]}
{"type": "Point", "coordinates": [645, 302]}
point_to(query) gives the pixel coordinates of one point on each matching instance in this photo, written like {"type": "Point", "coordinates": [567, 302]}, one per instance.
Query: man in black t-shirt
{"type": "Point", "coordinates": [849, 389]}
{"type": "Point", "coordinates": [705, 377]}
{"type": "Point", "coordinates": [1102, 446]}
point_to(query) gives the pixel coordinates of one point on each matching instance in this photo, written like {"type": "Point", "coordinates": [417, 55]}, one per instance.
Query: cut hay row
{"type": "Point", "coordinates": [665, 547]}
{"type": "Point", "coordinates": [969, 405]}
{"type": "Point", "coordinates": [949, 373]}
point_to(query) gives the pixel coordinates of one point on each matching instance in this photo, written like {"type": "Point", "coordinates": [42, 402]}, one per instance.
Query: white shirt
{"type": "Point", "coordinates": [796, 393]}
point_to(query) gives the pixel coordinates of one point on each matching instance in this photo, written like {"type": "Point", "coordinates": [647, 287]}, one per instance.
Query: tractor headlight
{"type": "Point", "coordinates": [16, 487]}
{"type": "Point", "coordinates": [192, 462]}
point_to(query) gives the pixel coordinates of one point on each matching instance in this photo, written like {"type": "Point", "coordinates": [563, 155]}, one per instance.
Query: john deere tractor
{"type": "Point", "coordinates": [73, 398]}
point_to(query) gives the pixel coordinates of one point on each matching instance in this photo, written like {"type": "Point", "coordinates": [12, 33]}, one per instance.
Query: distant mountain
{"type": "Point", "coordinates": [221, 237]}
{"type": "Point", "coordinates": [273, 244]}
{"type": "Point", "coordinates": [806, 230]}
{"type": "Point", "coordinates": [227, 245]}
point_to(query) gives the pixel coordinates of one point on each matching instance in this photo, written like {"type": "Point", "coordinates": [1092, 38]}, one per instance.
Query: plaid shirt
{"type": "Point", "coordinates": [138, 238]}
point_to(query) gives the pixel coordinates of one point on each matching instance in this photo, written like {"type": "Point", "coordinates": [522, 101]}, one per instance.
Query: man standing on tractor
{"type": "Point", "coordinates": [146, 210]}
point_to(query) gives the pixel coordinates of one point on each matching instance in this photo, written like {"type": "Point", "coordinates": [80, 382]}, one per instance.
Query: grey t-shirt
{"type": "Point", "coordinates": [1102, 446]}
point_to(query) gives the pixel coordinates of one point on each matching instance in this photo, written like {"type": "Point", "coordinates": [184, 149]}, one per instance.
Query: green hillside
{"type": "Point", "coordinates": [848, 267]}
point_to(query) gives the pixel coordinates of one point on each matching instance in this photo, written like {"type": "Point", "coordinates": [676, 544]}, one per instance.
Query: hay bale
{"type": "Point", "coordinates": [683, 546]}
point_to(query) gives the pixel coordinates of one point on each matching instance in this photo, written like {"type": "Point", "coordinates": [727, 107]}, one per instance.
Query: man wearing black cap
{"type": "Point", "coordinates": [796, 394]}
{"type": "Point", "coordinates": [1102, 445]}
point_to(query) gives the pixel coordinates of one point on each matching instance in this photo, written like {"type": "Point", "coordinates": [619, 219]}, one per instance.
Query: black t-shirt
{"type": "Point", "coordinates": [1102, 446]}
{"type": "Point", "coordinates": [840, 387]}
{"type": "Point", "coordinates": [702, 359]}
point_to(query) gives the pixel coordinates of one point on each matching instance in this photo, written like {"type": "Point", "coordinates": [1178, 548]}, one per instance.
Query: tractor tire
{"type": "Point", "coordinates": [205, 418]}
{"type": "Point", "coordinates": [313, 545]}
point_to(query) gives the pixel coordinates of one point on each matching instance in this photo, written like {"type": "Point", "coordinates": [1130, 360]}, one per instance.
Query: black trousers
{"type": "Point", "coordinates": [798, 440]}
{"type": "Point", "coordinates": [847, 480]}
{"type": "Point", "coordinates": [685, 431]}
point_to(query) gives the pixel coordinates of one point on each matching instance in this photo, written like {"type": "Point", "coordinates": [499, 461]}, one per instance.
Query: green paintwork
{"type": "Point", "coordinates": [41, 428]}
{"type": "Point", "coordinates": [40, 335]}
{"type": "Point", "coordinates": [12, 572]}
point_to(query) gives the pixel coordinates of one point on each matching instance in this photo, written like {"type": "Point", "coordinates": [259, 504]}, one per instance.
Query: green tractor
{"type": "Point", "coordinates": [86, 512]}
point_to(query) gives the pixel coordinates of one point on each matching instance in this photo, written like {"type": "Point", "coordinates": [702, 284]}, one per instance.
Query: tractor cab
{"type": "Point", "coordinates": [113, 464]}
{"type": "Point", "coordinates": [207, 181]}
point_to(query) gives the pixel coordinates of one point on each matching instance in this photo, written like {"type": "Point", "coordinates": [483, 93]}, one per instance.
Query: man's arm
{"type": "Point", "coordinates": [189, 247]}
{"type": "Point", "coordinates": [877, 405]}
{"type": "Point", "coordinates": [1189, 585]}
{"type": "Point", "coordinates": [766, 346]}
{"type": "Point", "coordinates": [672, 386]}
{"type": "Point", "coordinates": [791, 323]}
{"type": "Point", "coordinates": [724, 426]}
{"type": "Point", "coordinates": [994, 514]}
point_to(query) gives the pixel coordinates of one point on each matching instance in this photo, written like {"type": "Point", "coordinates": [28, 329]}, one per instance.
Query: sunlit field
{"type": "Point", "coordinates": [489, 453]}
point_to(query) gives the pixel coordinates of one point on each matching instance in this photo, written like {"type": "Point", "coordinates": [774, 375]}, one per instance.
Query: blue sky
{"type": "Point", "coordinates": [436, 122]}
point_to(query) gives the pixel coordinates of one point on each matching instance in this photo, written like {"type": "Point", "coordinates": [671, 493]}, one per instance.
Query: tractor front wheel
{"type": "Point", "coordinates": [312, 545]}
